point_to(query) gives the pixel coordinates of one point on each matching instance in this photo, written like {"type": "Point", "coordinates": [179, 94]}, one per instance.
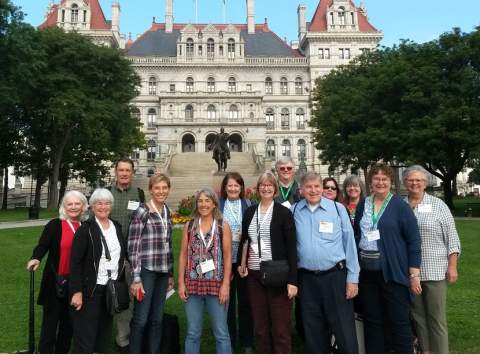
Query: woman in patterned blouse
{"type": "Point", "coordinates": [204, 270]}
{"type": "Point", "coordinates": [440, 250]}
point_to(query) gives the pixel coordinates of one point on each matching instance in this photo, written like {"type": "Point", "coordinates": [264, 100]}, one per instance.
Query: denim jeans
{"type": "Point", "coordinates": [150, 309]}
{"type": "Point", "coordinates": [218, 318]}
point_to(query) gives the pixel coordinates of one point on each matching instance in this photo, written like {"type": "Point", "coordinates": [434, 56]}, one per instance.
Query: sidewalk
{"type": "Point", "coordinates": [23, 223]}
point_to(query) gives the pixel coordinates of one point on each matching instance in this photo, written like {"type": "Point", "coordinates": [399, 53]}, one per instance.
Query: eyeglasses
{"type": "Point", "coordinates": [332, 188]}
{"type": "Point", "coordinates": [285, 168]}
{"type": "Point", "coordinates": [267, 186]}
{"type": "Point", "coordinates": [411, 181]}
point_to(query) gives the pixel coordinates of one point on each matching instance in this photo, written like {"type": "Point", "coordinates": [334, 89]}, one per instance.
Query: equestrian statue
{"type": "Point", "coordinates": [221, 152]}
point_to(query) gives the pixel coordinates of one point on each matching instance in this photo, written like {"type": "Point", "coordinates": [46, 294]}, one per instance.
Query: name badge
{"type": "Point", "coordinates": [207, 266]}
{"type": "Point", "coordinates": [326, 227]}
{"type": "Point", "coordinates": [425, 208]}
{"type": "Point", "coordinates": [373, 235]}
{"type": "Point", "coordinates": [109, 265]}
{"type": "Point", "coordinates": [133, 205]}
{"type": "Point", "coordinates": [236, 236]}
{"type": "Point", "coordinates": [287, 204]}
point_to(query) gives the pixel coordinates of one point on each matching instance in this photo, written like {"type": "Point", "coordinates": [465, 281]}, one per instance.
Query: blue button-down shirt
{"type": "Point", "coordinates": [322, 250]}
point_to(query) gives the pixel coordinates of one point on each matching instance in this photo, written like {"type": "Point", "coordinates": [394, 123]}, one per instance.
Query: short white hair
{"type": "Point", "coordinates": [283, 161]}
{"type": "Point", "coordinates": [415, 168]}
{"type": "Point", "coordinates": [101, 194]}
{"type": "Point", "coordinates": [77, 195]}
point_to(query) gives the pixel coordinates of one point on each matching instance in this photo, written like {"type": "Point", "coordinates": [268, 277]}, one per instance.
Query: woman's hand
{"type": "Point", "coordinates": [242, 270]}
{"type": "Point", "coordinates": [33, 265]}
{"type": "Point", "coordinates": [135, 288]}
{"type": "Point", "coordinates": [452, 274]}
{"type": "Point", "coordinates": [292, 291]}
{"type": "Point", "coordinates": [224, 294]}
{"type": "Point", "coordinates": [171, 283]}
{"type": "Point", "coordinates": [182, 292]}
{"type": "Point", "coordinates": [415, 285]}
{"type": "Point", "coordinates": [77, 301]}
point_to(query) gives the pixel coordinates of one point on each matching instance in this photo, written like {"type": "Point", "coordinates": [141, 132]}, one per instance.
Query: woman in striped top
{"type": "Point", "coordinates": [273, 224]}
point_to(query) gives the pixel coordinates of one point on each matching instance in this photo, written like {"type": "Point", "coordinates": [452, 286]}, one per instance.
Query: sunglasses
{"type": "Point", "coordinates": [332, 188]}
{"type": "Point", "coordinates": [285, 168]}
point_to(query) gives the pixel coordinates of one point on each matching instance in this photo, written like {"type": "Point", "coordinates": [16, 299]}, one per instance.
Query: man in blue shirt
{"type": "Point", "coordinates": [328, 269]}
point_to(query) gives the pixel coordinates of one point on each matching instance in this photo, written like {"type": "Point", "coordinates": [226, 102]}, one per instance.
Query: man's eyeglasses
{"type": "Point", "coordinates": [332, 188]}
{"type": "Point", "coordinates": [285, 168]}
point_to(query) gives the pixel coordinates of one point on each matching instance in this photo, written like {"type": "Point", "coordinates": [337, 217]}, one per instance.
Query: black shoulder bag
{"type": "Point", "coordinates": [273, 274]}
{"type": "Point", "coordinates": [116, 293]}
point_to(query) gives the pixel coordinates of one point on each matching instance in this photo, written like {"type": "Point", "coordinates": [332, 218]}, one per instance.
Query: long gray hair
{"type": "Point", "coordinates": [210, 194]}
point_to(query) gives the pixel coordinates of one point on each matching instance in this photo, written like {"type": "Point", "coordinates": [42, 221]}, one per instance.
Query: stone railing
{"type": "Point", "coordinates": [257, 158]}
{"type": "Point", "coordinates": [246, 61]}
{"type": "Point", "coordinates": [277, 61]}
{"type": "Point", "coordinates": [164, 166]}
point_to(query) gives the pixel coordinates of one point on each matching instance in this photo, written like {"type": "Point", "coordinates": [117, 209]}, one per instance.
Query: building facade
{"type": "Point", "coordinates": [197, 78]}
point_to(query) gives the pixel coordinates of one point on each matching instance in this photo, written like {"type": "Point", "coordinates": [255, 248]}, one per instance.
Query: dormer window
{"type": "Point", "coordinates": [341, 16]}
{"type": "Point", "coordinates": [189, 47]}
{"type": "Point", "coordinates": [74, 14]}
{"type": "Point", "coordinates": [210, 48]}
{"type": "Point", "coordinates": [231, 48]}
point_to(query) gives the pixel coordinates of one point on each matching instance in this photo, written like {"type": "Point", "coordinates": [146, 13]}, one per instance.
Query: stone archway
{"type": "Point", "coordinates": [209, 139]}
{"type": "Point", "coordinates": [188, 143]}
{"type": "Point", "coordinates": [236, 142]}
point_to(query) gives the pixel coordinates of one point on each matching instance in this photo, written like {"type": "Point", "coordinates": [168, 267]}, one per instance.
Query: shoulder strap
{"type": "Point", "coordinates": [336, 207]}
{"type": "Point", "coordinates": [141, 195]}
{"type": "Point", "coordinates": [107, 251]}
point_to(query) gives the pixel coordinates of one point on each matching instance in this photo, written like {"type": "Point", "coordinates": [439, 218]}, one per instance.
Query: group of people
{"type": "Point", "coordinates": [387, 258]}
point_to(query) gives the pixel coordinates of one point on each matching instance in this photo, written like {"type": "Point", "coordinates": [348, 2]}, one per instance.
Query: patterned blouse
{"type": "Point", "coordinates": [232, 213]}
{"type": "Point", "coordinates": [208, 283]}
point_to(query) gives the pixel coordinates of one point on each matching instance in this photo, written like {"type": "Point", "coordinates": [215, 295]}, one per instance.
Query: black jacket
{"type": "Point", "coordinates": [86, 252]}
{"type": "Point", "coordinates": [282, 237]}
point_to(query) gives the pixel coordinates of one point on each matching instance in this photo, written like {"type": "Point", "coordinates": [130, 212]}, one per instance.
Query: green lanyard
{"type": "Point", "coordinates": [285, 195]}
{"type": "Point", "coordinates": [376, 218]}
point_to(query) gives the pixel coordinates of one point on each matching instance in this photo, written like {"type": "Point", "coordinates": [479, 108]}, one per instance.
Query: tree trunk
{"type": "Point", "coordinates": [63, 183]}
{"type": "Point", "coordinates": [52, 203]}
{"type": "Point", "coordinates": [5, 189]}
{"type": "Point", "coordinates": [40, 180]}
{"type": "Point", "coordinates": [367, 185]}
{"type": "Point", "coordinates": [447, 192]}
{"type": "Point", "coordinates": [454, 187]}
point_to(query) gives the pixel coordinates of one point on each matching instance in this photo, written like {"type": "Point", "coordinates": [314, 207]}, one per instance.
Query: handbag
{"type": "Point", "coordinates": [116, 293]}
{"type": "Point", "coordinates": [61, 286]}
{"type": "Point", "coordinates": [273, 274]}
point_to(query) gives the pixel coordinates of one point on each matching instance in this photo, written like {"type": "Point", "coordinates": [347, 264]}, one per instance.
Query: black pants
{"type": "Point", "coordinates": [92, 325]}
{"type": "Point", "coordinates": [239, 292]}
{"type": "Point", "coordinates": [56, 332]}
{"type": "Point", "coordinates": [385, 305]}
{"type": "Point", "coordinates": [325, 310]}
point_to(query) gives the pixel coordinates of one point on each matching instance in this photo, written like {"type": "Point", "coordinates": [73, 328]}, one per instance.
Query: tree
{"type": "Point", "coordinates": [415, 103]}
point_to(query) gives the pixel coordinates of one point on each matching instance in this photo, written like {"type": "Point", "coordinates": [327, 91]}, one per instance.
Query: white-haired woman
{"type": "Point", "coordinates": [90, 269]}
{"type": "Point", "coordinates": [204, 270]}
{"type": "Point", "coordinates": [56, 239]}
{"type": "Point", "coordinates": [440, 250]}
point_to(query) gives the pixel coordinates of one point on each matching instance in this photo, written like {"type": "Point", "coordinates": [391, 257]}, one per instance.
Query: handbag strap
{"type": "Point", "coordinates": [107, 252]}
{"type": "Point", "coordinates": [258, 234]}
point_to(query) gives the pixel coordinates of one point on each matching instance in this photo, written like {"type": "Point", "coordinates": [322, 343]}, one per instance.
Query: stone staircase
{"type": "Point", "coordinates": [191, 171]}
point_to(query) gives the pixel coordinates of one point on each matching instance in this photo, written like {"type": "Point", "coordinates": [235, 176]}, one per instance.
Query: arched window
{"type": "Point", "coordinates": [189, 113]}
{"type": "Point", "coordinates": [135, 113]}
{"type": "Point", "coordinates": [189, 84]}
{"type": "Point", "coordinates": [189, 47]}
{"type": "Point", "coordinates": [210, 84]}
{"type": "Point", "coordinates": [270, 118]}
{"type": "Point", "coordinates": [152, 86]}
{"type": "Point", "coordinates": [285, 118]}
{"type": "Point", "coordinates": [210, 48]}
{"type": "Point", "coordinates": [302, 149]}
{"type": "Point", "coordinates": [232, 84]}
{"type": "Point", "coordinates": [151, 150]}
{"type": "Point", "coordinates": [231, 48]}
{"type": "Point", "coordinates": [268, 86]}
{"type": "Point", "coordinates": [270, 149]}
{"type": "Point", "coordinates": [233, 111]}
{"type": "Point", "coordinates": [286, 147]}
{"type": "Point", "coordinates": [341, 16]}
{"type": "Point", "coordinates": [298, 86]}
{"type": "Point", "coordinates": [211, 112]}
{"type": "Point", "coordinates": [300, 117]}
{"type": "Point", "coordinates": [284, 86]}
{"type": "Point", "coordinates": [74, 14]}
{"type": "Point", "coordinates": [151, 118]}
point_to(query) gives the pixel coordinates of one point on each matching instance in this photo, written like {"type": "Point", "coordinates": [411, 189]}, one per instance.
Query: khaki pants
{"type": "Point", "coordinates": [430, 317]}
{"type": "Point", "coordinates": [122, 320]}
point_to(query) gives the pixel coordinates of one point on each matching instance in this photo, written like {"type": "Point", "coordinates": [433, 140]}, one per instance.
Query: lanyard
{"type": "Point", "coordinates": [264, 219]}
{"type": "Point", "coordinates": [236, 216]}
{"type": "Point", "coordinates": [163, 221]}
{"type": "Point", "coordinates": [285, 194]}
{"type": "Point", "coordinates": [202, 236]}
{"type": "Point", "coordinates": [376, 218]}
{"type": "Point", "coordinates": [71, 226]}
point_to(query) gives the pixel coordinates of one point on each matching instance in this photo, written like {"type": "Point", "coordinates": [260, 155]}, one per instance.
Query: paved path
{"type": "Point", "coordinates": [23, 223]}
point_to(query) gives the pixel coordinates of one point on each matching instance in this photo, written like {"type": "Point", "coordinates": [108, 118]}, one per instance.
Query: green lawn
{"type": "Point", "coordinates": [16, 246]}
{"type": "Point", "coordinates": [464, 203]}
{"type": "Point", "coordinates": [19, 214]}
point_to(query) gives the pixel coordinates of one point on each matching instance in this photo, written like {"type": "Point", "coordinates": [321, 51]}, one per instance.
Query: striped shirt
{"type": "Point", "coordinates": [439, 237]}
{"type": "Point", "coordinates": [263, 222]}
{"type": "Point", "coordinates": [150, 242]}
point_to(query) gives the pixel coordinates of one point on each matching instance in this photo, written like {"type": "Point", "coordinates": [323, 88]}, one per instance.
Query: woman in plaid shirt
{"type": "Point", "coordinates": [440, 250]}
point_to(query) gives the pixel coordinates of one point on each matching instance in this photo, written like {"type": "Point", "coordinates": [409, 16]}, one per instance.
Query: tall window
{"type": "Point", "coordinates": [211, 112]}
{"type": "Point", "coordinates": [63, 15]}
{"type": "Point", "coordinates": [135, 113]}
{"type": "Point", "coordinates": [84, 16]}
{"type": "Point", "coordinates": [135, 155]}
{"type": "Point", "coordinates": [151, 150]}
{"type": "Point", "coordinates": [189, 84]}
{"type": "Point", "coordinates": [210, 84]}
{"type": "Point", "coordinates": [189, 47]}
{"type": "Point", "coordinates": [268, 86]}
{"type": "Point", "coordinates": [323, 53]}
{"type": "Point", "coordinates": [152, 86]}
{"type": "Point", "coordinates": [344, 53]}
{"type": "Point", "coordinates": [286, 147]}
{"type": "Point", "coordinates": [270, 149]}
{"type": "Point", "coordinates": [74, 13]}
{"type": "Point", "coordinates": [302, 149]}
{"type": "Point", "coordinates": [285, 118]}
{"type": "Point", "coordinates": [233, 111]}
{"type": "Point", "coordinates": [231, 48]}
{"type": "Point", "coordinates": [232, 84]}
{"type": "Point", "coordinates": [189, 113]}
{"type": "Point", "coordinates": [341, 16]}
{"type": "Point", "coordinates": [151, 118]}
{"type": "Point", "coordinates": [284, 86]}
{"type": "Point", "coordinates": [270, 118]}
{"type": "Point", "coordinates": [210, 48]}
{"type": "Point", "coordinates": [298, 86]}
{"type": "Point", "coordinates": [300, 117]}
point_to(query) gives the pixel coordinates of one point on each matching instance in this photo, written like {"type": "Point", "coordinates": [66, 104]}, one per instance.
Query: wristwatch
{"type": "Point", "coordinates": [414, 275]}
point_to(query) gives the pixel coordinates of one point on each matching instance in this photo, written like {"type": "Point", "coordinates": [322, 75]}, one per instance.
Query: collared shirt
{"type": "Point", "coordinates": [120, 211]}
{"type": "Point", "coordinates": [321, 247]}
{"type": "Point", "coordinates": [149, 243]}
{"type": "Point", "coordinates": [115, 250]}
{"type": "Point", "coordinates": [439, 237]}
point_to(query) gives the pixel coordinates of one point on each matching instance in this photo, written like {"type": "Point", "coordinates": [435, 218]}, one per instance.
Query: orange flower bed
{"type": "Point", "coordinates": [179, 219]}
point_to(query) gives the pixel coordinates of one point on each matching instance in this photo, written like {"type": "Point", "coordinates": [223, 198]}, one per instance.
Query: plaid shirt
{"type": "Point", "coordinates": [439, 237]}
{"type": "Point", "coordinates": [149, 246]}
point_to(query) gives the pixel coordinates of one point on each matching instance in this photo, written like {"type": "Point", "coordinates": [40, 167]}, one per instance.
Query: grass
{"type": "Point", "coordinates": [19, 214]}
{"type": "Point", "coordinates": [16, 246]}
{"type": "Point", "coordinates": [464, 203]}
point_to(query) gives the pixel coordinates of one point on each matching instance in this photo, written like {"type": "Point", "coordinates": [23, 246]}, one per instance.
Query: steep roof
{"type": "Point", "coordinates": [263, 43]}
{"type": "Point", "coordinates": [97, 17]}
{"type": "Point", "coordinates": [319, 20]}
